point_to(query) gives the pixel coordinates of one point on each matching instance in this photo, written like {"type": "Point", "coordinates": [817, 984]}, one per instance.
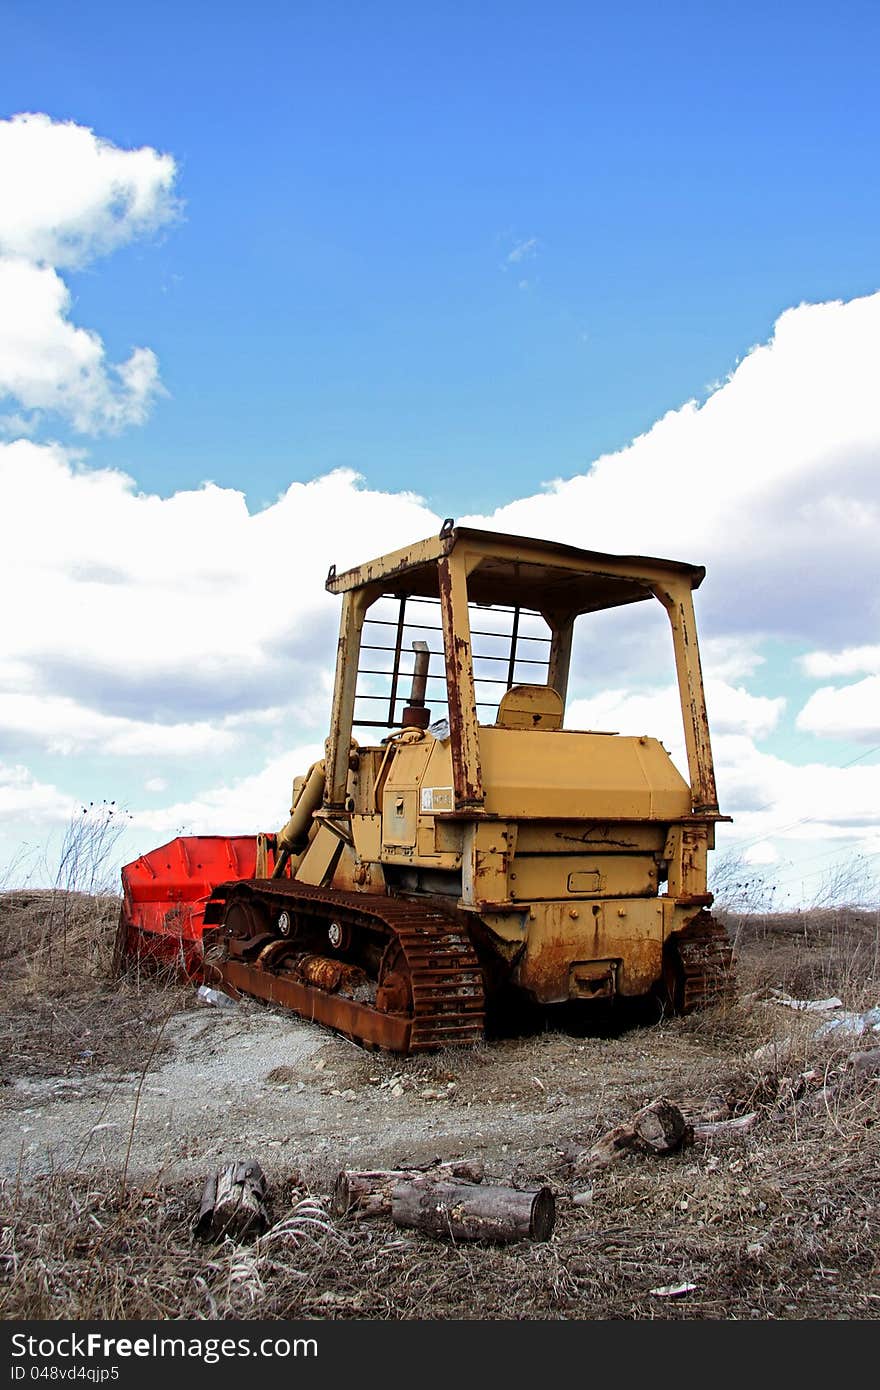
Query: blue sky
{"type": "Point", "coordinates": [339, 293]}
{"type": "Point", "coordinates": [461, 252]}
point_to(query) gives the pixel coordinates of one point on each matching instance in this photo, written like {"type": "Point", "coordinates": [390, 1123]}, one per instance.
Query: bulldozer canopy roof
{"type": "Point", "coordinates": [517, 570]}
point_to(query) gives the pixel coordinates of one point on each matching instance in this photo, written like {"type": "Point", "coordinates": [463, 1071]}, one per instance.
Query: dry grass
{"type": "Point", "coordinates": [783, 1225]}
{"type": "Point", "coordinates": [63, 1013]}
{"type": "Point", "coordinates": [781, 1222]}
{"type": "Point", "coordinates": [811, 954]}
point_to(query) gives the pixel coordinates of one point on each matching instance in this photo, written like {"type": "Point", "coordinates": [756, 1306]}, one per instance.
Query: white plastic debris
{"type": "Point", "coordinates": [809, 1006]}
{"type": "Point", "coordinates": [850, 1023]}
{"type": "Point", "coordinates": [206, 995]}
{"type": "Point", "coordinates": [673, 1290]}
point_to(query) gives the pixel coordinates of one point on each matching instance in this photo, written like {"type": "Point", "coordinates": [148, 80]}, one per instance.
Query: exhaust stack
{"type": "Point", "coordinates": [416, 715]}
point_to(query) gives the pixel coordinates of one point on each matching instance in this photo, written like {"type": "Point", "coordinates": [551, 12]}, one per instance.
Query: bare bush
{"type": "Point", "coordinates": [740, 887]}
{"type": "Point", "coordinates": [73, 918]}
{"type": "Point", "coordinates": [60, 1008]}
{"type": "Point", "coordinates": [852, 883]}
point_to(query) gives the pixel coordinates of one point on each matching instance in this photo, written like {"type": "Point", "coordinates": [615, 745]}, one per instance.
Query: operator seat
{"type": "Point", "coordinates": [530, 707]}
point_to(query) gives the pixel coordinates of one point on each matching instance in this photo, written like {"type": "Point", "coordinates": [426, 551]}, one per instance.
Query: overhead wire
{"type": "Point", "coordinates": [746, 842]}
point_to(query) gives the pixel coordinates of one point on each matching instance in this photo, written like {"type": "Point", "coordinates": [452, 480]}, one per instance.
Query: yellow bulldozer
{"type": "Point", "coordinates": [469, 847]}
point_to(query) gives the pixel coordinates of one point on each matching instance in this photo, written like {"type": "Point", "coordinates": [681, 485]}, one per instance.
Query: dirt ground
{"type": "Point", "coordinates": [118, 1098]}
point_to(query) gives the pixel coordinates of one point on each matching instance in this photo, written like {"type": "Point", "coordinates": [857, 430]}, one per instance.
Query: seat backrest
{"type": "Point", "coordinates": [530, 707]}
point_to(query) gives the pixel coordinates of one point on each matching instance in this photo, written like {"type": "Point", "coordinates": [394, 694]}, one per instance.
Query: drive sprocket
{"type": "Point", "coordinates": [698, 966]}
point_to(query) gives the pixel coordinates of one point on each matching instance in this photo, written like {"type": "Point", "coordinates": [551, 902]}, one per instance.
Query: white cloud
{"type": "Point", "coordinates": [850, 662]}
{"type": "Point", "coordinates": [61, 726]}
{"type": "Point", "coordinates": [771, 798]}
{"type": "Point", "coordinates": [24, 800]}
{"type": "Point", "coordinates": [69, 197]}
{"type": "Point", "coordinates": [46, 363]}
{"type": "Point", "coordinates": [242, 806]}
{"type": "Point", "coordinates": [849, 711]}
{"type": "Point", "coordinates": [731, 658]}
{"type": "Point", "coordinates": [176, 610]}
{"type": "Point", "coordinates": [732, 710]}
{"type": "Point", "coordinates": [765, 852]}
{"type": "Point", "coordinates": [523, 251]}
{"type": "Point", "coordinates": [772, 483]}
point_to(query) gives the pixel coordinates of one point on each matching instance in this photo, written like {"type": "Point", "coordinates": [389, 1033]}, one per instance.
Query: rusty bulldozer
{"type": "Point", "coordinates": [472, 848]}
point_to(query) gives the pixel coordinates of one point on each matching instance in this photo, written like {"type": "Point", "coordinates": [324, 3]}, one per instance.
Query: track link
{"type": "Point", "coordinates": [702, 971]}
{"type": "Point", "coordinates": [444, 976]}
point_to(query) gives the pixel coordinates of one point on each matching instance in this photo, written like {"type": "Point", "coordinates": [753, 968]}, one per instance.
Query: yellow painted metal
{"type": "Point", "coordinates": [317, 862]}
{"type": "Point", "coordinates": [579, 777]}
{"type": "Point", "coordinates": [530, 707]}
{"type": "Point", "coordinates": [555, 845]}
{"type": "Point", "coordinates": [467, 778]}
{"type": "Point", "coordinates": [536, 876]}
{"type": "Point", "coordinates": [627, 931]}
{"type": "Point", "coordinates": [557, 578]}
{"type": "Point", "coordinates": [677, 599]}
{"type": "Point", "coordinates": [354, 611]}
{"type": "Point", "coordinates": [367, 833]}
{"type": "Point", "coordinates": [309, 794]}
{"type": "Point", "coordinates": [562, 837]}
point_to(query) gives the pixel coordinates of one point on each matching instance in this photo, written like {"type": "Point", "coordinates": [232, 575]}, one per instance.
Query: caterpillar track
{"type": "Point", "coordinates": [698, 966]}
{"type": "Point", "coordinates": [386, 972]}
{"type": "Point", "coordinates": [472, 789]}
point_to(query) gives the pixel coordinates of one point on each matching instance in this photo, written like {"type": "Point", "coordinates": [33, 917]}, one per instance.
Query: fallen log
{"type": "Point", "coordinates": [234, 1203]}
{"type": "Point", "coordinates": [720, 1129]}
{"type": "Point", "coordinates": [658, 1128]}
{"type": "Point", "coordinates": [467, 1211]}
{"type": "Point", "coordinates": [367, 1192]}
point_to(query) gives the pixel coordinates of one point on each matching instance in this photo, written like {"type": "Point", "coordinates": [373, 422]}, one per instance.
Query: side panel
{"type": "Point", "coordinates": [534, 877]}
{"type": "Point", "coordinates": [583, 776]}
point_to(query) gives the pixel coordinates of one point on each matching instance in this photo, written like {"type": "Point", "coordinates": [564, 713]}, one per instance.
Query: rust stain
{"type": "Point", "coordinates": [346, 1015]}
{"type": "Point", "coordinates": [558, 948]}
{"type": "Point", "coordinates": [467, 790]}
{"type": "Point", "coordinates": [394, 995]}
{"type": "Point", "coordinates": [333, 976]}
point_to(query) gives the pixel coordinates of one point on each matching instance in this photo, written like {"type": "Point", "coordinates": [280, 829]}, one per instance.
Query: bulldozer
{"type": "Point", "coordinates": [469, 847]}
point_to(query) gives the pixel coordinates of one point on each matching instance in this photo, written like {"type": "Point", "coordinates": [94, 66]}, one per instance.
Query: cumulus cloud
{"type": "Point", "coordinates": [764, 852]}
{"type": "Point", "coordinates": [771, 483]}
{"type": "Point", "coordinates": [849, 711]}
{"type": "Point", "coordinates": [69, 197]}
{"type": "Point", "coordinates": [850, 662]}
{"type": "Point", "coordinates": [770, 797]}
{"type": "Point", "coordinates": [172, 610]}
{"type": "Point", "coordinates": [190, 618]}
{"type": "Point", "coordinates": [731, 658]}
{"type": "Point", "coordinates": [732, 710]}
{"type": "Point", "coordinates": [48, 364]}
